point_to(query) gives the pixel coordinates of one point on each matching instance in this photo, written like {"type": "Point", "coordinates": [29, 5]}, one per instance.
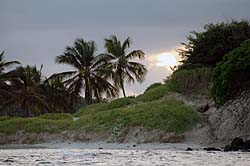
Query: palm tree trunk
{"type": "Point", "coordinates": [122, 86]}
{"type": "Point", "coordinates": [88, 95]}
{"type": "Point", "coordinates": [97, 95]}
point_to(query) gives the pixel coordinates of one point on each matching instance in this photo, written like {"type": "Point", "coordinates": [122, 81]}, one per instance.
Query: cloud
{"type": "Point", "coordinates": [35, 32]}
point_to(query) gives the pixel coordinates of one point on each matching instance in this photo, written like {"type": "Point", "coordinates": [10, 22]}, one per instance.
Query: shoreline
{"type": "Point", "coordinates": [104, 145]}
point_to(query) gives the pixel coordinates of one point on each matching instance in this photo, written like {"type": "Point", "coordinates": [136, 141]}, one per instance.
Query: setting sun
{"type": "Point", "coordinates": [166, 60]}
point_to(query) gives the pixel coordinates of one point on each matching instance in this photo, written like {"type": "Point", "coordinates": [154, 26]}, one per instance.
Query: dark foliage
{"type": "Point", "coordinates": [232, 75]}
{"type": "Point", "coordinates": [209, 47]}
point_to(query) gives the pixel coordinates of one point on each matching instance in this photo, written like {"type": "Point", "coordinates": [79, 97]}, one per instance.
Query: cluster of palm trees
{"type": "Point", "coordinates": [99, 75]}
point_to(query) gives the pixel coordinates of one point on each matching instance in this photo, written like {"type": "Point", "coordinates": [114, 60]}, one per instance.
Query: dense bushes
{"type": "Point", "coordinates": [208, 48]}
{"type": "Point", "coordinates": [232, 75]}
{"type": "Point", "coordinates": [191, 81]}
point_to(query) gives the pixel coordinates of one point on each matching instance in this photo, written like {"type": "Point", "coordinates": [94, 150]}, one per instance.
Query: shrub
{"type": "Point", "coordinates": [120, 102]}
{"type": "Point", "coordinates": [153, 93]}
{"type": "Point", "coordinates": [232, 75]}
{"type": "Point", "coordinates": [93, 108]}
{"type": "Point", "coordinates": [191, 81]}
{"type": "Point", "coordinates": [155, 85]}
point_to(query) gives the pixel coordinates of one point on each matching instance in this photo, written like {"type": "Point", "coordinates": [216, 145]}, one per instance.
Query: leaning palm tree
{"type": "Point", "coordinates": [119, 62]}
{"type": "Point", "coordinates": [87, 74]}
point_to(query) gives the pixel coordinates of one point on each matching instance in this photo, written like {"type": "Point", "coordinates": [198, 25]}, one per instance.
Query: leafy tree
{"type": "Point", "coordinates": [82, 57]}
{"type": "Point", "coordinates": [232, 75]}
{"type": "Point", "coordinates": [119, 64]}
{"type": "Point", "coordinates": [209, 47]}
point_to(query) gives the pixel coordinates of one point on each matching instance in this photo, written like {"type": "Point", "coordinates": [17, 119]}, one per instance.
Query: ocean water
{"type": "Point", "coordinates": [124, 157]}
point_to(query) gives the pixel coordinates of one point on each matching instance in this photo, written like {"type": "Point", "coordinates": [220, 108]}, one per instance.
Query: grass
{"type": "Point", "coordinates": [56, 116]}
{"type": "Point", "coordinates": [34, 125]}
{"type": "Point", "coordinates": [151, 110]}
{"type": "Point", "coordinates": [3, 118]}
{"type": "Point", "coordinates": [94, 108]}
{"type": "Point", "coordinates": [153, 93]}
{"type": "Point", "coordinates": [165, 114]}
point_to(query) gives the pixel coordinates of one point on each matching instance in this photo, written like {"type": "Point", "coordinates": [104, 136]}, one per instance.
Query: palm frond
{"type": "Point", "coordinates": [126, 43]}
{"type": "Point", "coordinates": [135, 54]}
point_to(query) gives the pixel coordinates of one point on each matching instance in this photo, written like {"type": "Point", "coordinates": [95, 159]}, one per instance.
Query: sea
{"type": "Point", "coordinates": [119, 155]}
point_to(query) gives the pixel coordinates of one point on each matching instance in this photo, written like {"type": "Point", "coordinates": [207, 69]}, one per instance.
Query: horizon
{"type": "Point", "coordinates": [35, 32]}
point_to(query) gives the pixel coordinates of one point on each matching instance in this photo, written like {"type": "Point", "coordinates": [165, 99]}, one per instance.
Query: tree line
{"type": "Point", "coordinates": [26, 90]}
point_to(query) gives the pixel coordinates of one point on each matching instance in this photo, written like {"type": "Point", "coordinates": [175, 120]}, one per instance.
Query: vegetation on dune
{"type": "Point", "coordinates": [152, 86]}
{"type": "Point", "coordinates": [205, 49]}
{"type": "Point", "coordinates": [153, 93]}
{"type": "Point", "coordinates": [56, 116]}
{"type": "Point", "coordinates": [118, 103]}
{"type": "Point", "coordinates": [166, 114]}
{"type": "Point", "coordinates": [232, 75]}
{"type": "Point", "coordinates": [34, 125]}
{"type": "Point", "coordinates": [222, 47]}
{"type": "Point", "coordinates": [161, 113]}
{"type": "Point", "coordinates": [194, 81]}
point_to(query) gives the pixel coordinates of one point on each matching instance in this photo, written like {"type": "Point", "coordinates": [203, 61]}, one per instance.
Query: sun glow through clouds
{"type": "Point", "coordinates": [165, 59]}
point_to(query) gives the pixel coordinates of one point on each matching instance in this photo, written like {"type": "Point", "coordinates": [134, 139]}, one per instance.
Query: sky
{"type": "Point", "coordinates": [36, 31]}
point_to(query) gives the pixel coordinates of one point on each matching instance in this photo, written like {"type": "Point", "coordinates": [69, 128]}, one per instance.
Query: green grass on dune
{"type": "Point", "coordinates": [153, 93]}
{"type": "Point", "coordinates": [56, 116]}
{"type": "Point", "coordinates": [33, 125]}
{"type": "Point", "coordinates": [166, 114]}
{"type": "Point", "coordinates": [118, 103]}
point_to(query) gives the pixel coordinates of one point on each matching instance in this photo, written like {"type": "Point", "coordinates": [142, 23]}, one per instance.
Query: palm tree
{"type": "Point", "coordinates": [5, 88]}
{"type": "Point", "coordinates": [57, 95]}
{"type": "Point", "coordinates": [120, 65]}
{"type": "Point", "coordinates": [27, 88]}
{"type": "Point", "coordinates": [87, 74]}
{"type": "Point", "coordinates": [34, 94]}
